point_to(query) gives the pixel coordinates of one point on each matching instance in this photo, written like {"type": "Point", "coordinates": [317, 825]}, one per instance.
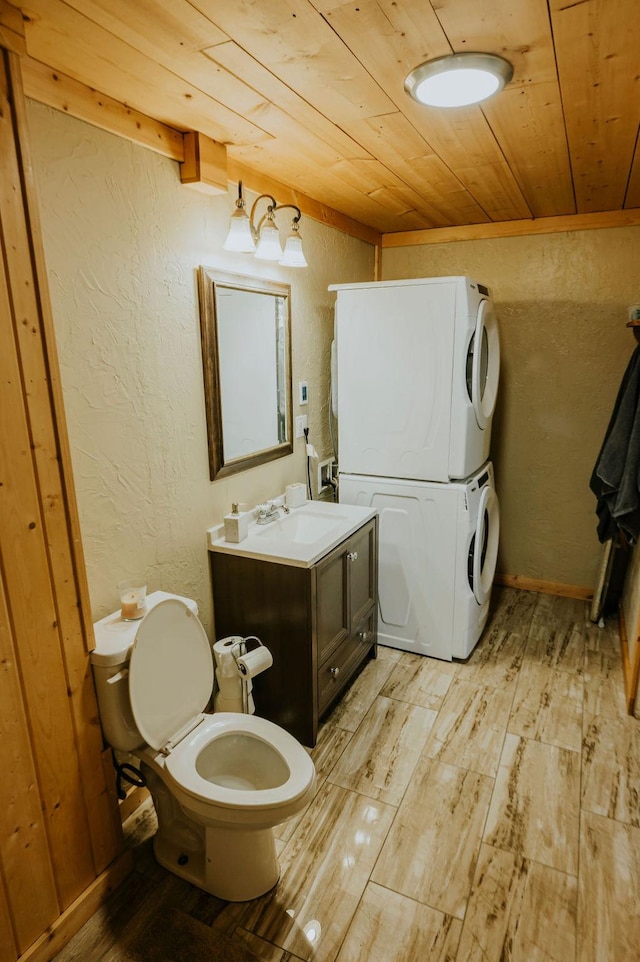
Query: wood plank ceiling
{"type": "Point", "coordinates": [310, 93]}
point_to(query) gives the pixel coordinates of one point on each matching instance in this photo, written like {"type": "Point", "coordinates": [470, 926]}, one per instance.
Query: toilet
{"type": "Point", "coordinates": [220, 782]}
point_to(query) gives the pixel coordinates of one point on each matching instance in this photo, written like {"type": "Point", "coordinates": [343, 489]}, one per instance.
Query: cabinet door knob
{"type": "Point", "coordinates": [352, 556]}
{"type": "Point", "coordinates": [363, 635]}
{"type": "Point", "coordinates": [335, 672]}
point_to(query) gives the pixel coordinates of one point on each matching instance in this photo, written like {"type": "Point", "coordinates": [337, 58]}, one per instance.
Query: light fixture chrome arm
{"type": "Point", "coordinates": [255, 229]}
{"type": "Point", "coordinates": [271, 209]}
{"type": "Point", "coordinates": [296, 220]}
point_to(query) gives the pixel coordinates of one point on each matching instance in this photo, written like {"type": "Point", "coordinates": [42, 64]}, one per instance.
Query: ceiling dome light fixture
{"type": "Point", "coordinates": [459, 79]}
{"type": "Point", "coordinates": [262, 239]}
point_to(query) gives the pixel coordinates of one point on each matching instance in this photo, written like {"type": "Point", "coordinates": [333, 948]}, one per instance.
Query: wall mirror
{"type": "Point", "coordinates": [245, 326]}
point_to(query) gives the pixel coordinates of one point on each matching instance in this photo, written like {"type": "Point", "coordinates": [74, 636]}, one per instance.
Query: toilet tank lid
{"type": "Point", "coordinates": [115, 637]}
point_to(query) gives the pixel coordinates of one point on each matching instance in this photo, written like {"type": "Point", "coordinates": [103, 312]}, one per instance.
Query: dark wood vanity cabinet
{"type": "Point", "coordinates": [320, 624]}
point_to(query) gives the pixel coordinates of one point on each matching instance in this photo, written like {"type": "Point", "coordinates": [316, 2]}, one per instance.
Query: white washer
{"type": "Point", "coordinates": [415, 397]}
{"type": "Point", "coordinates": [438, 552]}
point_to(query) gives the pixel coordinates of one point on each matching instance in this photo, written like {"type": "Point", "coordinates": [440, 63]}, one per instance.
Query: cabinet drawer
{"type": "Point", "coordinates": [336, 671]}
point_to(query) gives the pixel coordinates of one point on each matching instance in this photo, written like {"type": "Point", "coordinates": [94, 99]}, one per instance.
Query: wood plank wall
{"type": "Point", "coordinates": [59, 825]}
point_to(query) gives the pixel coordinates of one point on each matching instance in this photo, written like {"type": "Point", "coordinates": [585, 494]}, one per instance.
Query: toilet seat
{"type": "Point", "coordinates": [170, 672]}
{"type": "Point", "coordinates": [181, 764]}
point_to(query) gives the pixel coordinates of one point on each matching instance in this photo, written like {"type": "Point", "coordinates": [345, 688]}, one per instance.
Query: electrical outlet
{"type": "Point", "coordinates": [325, 474]}
{"type": "Point", "coordinates": [301, 424]}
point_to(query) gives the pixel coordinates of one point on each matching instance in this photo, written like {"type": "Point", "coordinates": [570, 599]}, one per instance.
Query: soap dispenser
{"type": "Point", "coordinates": [236, 524]}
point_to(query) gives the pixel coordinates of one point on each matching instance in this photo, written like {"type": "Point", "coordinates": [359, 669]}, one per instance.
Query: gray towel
{"type": "Point", "coordinates": [616, 476]}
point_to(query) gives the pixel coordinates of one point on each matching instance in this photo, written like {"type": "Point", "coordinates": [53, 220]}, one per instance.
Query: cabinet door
{"type": "Point", "coordinates": [332, 602]}
{"type": "Point", "coordinates": [339, 668]}
{"type": "Point", "coordinates": [361, 572]}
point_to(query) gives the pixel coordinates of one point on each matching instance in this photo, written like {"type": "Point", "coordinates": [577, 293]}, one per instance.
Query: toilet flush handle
{"type": "Point", "coordinates": [120, 676]}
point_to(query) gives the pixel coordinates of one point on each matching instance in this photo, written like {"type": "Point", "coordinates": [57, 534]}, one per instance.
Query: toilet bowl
{"type": "Point", "coordinates": [221, 782]}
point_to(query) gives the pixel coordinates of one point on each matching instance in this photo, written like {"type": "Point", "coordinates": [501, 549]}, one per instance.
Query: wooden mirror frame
{"type": "Point", "coordinates": [208, 280]}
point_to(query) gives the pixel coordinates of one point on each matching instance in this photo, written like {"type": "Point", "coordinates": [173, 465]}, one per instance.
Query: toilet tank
{"type": "Point", "coordinates": [110, 665]}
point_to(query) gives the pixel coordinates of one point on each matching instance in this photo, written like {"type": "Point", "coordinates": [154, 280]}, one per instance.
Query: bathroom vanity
{"type": "Point", "coordinates": [308, 590]}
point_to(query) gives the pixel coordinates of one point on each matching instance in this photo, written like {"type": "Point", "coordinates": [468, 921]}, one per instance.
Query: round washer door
{"type": "Point", "coordinates": [484, 545]}
{"type": "Point", "coordinates": [170, 673]}
{"type": "Point", "coordinates": [484, 355]}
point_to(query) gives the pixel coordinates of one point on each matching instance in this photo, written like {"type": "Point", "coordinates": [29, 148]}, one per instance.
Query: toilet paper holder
{"type": "Point", "coordinates": [240, 649]}
{"type": "Point", "coordinates": [249, 663]}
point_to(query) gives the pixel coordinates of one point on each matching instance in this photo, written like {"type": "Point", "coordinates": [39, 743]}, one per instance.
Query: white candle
{"type": "Point", "coordinates": [132, 604]}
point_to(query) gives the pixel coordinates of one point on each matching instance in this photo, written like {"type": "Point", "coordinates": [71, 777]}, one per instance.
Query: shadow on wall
{"type": "Point", "coordinates": [560, 375]}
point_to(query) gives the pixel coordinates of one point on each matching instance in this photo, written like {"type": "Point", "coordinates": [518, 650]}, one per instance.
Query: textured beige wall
{"type": "Point", "coordinates": [123, 239]}
{"type": "Point", "coordinates": [561, 301]}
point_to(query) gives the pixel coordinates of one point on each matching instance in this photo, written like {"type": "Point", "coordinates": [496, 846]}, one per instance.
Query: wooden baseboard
{"type": "Point", "coordinates": [580, 592]}
{"type": "Point", "coordinates": [72, 919]}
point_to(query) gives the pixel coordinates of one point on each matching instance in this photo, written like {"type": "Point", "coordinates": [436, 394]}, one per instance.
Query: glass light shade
{"type": "Point", "coordinates": [293, 254]}
{"type": "Point", "coordinates": [458, 80]}
{"type": "Point", "coordinates": [269, 246]}
{"type": "Point", "coordinates": [239, 238]}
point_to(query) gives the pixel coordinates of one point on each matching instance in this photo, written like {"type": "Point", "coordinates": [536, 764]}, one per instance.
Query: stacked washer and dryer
{"type": "Point", "coordinates": [417, 377]}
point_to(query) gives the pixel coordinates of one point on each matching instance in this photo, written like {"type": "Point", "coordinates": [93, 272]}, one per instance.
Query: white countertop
{"type": "Point", "coordinates": [300, 538]}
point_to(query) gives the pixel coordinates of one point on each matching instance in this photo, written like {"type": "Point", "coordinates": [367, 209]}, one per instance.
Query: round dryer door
{"type": "Point", "coordinates": [483, 365]}
{"type": "Point", "coordinates": [170, 673]}
{"type": "Point", "coordinates": [483, 551]}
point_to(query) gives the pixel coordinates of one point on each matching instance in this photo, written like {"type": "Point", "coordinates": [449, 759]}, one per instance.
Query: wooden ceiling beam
{"type": "Point", "coordinates": [205, 164]}
{"type": "Point", "coordinates": [514, 228]}
{"type": "Point", "coordinates": [49, 86]}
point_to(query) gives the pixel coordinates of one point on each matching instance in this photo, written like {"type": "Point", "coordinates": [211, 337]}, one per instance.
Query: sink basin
{"type": "Point", "coordinates": [304, 527]}
{"type": "Point", "coordinates": [300, 538]}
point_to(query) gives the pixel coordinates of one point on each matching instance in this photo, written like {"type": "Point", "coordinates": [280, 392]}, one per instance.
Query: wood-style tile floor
{"type": "Point", "coordinates": [488, 810]}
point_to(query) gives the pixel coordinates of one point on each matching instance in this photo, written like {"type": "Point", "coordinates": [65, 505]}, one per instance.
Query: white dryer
{"type": "Point", "coordinates": [417, 368]}
{"type": "Point", "coordinates": [438, 550]}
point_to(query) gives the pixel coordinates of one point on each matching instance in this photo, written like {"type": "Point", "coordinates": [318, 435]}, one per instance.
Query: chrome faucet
{"type": "Point", "coordinates": [269, 512]}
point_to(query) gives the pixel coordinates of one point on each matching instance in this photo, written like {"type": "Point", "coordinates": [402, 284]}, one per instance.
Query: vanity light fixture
{"type": "Point", "coordinates": [263, 239]}
{"type": "Point", "coordinates": [459, 79]}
